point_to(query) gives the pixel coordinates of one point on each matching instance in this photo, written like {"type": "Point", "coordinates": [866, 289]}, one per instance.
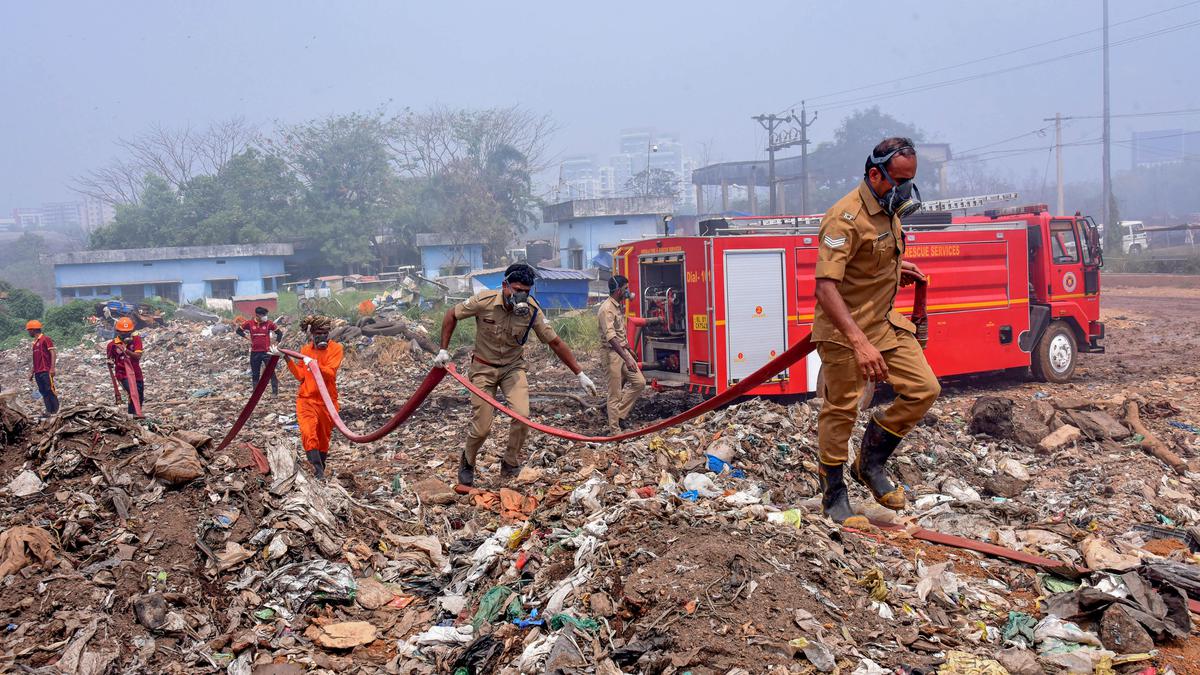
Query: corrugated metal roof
{"type": "Point", "coordinates": [561, 274]}
{"type": "Point", "coordinates": [443, 239]}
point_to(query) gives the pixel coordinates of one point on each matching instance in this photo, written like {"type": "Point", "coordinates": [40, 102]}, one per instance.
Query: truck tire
{"type": "Point", "coordinates": [1056, 354]}
{"type": "Point", "coordinates": [1135, 250]}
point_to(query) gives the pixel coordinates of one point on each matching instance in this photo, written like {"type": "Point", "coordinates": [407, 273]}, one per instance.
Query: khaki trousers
{"type": "Point", "coordinates": [909, 374]}
{"type": "Point", "coordinates": [620, 401]}
{"type": "Point", "coordinates": [511, 380]}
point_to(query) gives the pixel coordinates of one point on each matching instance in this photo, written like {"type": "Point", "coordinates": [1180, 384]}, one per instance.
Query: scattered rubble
{"type": "Point", "coordinates": [133, 546]}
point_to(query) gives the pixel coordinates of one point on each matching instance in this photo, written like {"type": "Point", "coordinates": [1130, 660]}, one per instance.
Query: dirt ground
{"type": "Point", "coordinates": [699, 587]}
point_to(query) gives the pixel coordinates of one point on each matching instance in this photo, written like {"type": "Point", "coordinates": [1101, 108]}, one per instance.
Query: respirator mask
{"type": "Point", "coordinates": [320, 340]}
{"type": "Point", "coordinates": [518, 302]}
{"type": "Point", "coordinates": [903, 199]}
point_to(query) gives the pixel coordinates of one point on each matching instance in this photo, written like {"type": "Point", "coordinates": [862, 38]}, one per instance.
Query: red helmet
{"type": "Point", "coordinates": [124, 325]}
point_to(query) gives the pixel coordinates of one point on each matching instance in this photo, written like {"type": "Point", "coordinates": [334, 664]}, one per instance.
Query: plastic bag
{"type": "Point", "coordinates": [293, 587]}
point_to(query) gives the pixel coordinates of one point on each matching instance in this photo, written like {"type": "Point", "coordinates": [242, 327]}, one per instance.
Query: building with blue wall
{"type": "Point", "coordinates": [446, 255]}
{"type": "Point", "coordinates": [588, 226]}
{"type": "Point", "coordinates": [179, 274]}
{"type": "Point", "coordinates": [554, 288]}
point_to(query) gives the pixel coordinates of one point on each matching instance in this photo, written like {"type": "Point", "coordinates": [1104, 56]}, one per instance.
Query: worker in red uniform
{"type": "Point", "coordinates": [259, 331]}
{"type": "Point", "coordinates": [125, 355]}
{"type": "Point", "coordinates": [316, 425]}
{"type": "Point", "coordinates": [44, 360]}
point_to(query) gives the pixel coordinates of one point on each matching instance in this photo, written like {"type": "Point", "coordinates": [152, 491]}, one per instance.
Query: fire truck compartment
{"type": "Point", "coordinates": [664, 296]}
{"type": "Point", "coordinates": [755, 311]}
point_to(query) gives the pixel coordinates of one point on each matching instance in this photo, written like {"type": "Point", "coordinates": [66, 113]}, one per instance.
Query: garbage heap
{"type": "Point", "coordinates": [133, 546]}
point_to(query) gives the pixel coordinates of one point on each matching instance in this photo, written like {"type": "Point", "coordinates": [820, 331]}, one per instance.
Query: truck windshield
{"type": "Point", "coordinates": [1064, 242]}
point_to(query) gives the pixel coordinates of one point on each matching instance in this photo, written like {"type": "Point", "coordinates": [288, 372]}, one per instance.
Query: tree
{"type": "Point", "coordinates": [837, 166]}
{"type": "Point", "coordinates": [174, 155]}
{"type": "Point", "coordinates": [654, 183]}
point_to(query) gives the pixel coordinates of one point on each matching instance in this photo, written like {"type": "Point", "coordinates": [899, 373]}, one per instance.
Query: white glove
{"type": "Point", "coordinates": [586, 383]}
{"type": "Point", "coordinates": [442, 358]}
{"type": "Point", "coordinates": [274, 351]}
{"type": "Point", "coordinates": [307, 360]}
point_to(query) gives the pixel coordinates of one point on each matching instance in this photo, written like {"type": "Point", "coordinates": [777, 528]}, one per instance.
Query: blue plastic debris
{"type": "Point", "coordinates": [718, 465]}
{"type": "Point", "coordinates": [690, 495]}
{"type": "Point", "coordinates": [531, 621]}
{"type": "Point", "coordinates": [1185, 426]}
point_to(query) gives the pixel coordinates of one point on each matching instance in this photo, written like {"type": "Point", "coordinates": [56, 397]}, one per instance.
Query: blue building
{"type": "Point", "coordinates": [588, 226]}
{"type": "Point", "coordinates": [554, 289]}
{"type": "Point", "coordinates": [448, 255]}
{"type": "Point", "coordinates": [179, 274]}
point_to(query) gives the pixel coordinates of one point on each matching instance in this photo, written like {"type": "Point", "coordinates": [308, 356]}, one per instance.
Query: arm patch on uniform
{"type": "Point", "coordinates": [847, 216]}
{"type": "Point", "coordinates": [834, 242]}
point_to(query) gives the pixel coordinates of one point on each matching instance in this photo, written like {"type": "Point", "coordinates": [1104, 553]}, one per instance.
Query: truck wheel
{"type": "Point", "coordinates": [1135, 250]}
{"type": "Point", "coordinates": [1055, 357]}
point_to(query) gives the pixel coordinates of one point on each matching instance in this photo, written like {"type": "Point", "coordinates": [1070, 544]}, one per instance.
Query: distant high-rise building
{"type": "Point", "coordinates": [62, 215]}
{"type": "Point", "coordinates": [96, 214]}
{"type": "Point", "coordinates": [28, 219]}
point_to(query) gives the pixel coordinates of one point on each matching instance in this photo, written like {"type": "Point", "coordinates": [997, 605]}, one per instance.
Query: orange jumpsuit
{"type": "Point", "coordinates": [316, 426]}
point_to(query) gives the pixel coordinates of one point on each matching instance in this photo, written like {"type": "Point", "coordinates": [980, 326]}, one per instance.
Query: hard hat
{"type": "Point", "coordinates": [33, 324]}
{"type": "Point", "coordinates": [124, 324]}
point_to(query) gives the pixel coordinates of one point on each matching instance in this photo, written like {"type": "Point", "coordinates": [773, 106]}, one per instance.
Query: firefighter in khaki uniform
{"type": "Point", "coordinates": [622, 366]}
{"type": "Point", "coordinates": [859, 334]}
{"type": "Point", "coordinates": [503, 321]}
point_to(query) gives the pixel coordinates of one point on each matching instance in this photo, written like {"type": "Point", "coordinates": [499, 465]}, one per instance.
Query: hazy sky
{"type": "Point", "coordinates": [77, 75]}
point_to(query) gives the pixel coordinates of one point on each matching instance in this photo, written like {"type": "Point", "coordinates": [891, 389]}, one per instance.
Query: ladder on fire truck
{"type": "Point", "coordinates": [791, 224]}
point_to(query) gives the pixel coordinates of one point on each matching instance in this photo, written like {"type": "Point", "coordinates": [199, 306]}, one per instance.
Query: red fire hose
{"type": "Point", "coordinates": [785, 360]}
{"type": "Point", "coordinates": [795, 353]}
{"type": "Point", "coordinates": [116, 387]}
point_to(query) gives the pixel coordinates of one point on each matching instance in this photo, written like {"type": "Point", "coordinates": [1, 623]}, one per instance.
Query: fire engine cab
{"type": "Point", "coordinates": [1011, 288]}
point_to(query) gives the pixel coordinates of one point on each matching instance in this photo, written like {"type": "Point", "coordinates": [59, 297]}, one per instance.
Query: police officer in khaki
{"type": "Point", "coordinates": [859, 334]}
{"type": "Point", "coordinates": [622, 366]}
{"type": "Point", "coordinates": [504, 319]}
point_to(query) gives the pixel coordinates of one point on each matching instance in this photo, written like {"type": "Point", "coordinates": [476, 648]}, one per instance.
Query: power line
{"type": "Point", "coordinates": [1160, 113]}
{"type": "Point", "coordinates": [989, 58]}
{"type": "Point", "coordinates": [968, 78]}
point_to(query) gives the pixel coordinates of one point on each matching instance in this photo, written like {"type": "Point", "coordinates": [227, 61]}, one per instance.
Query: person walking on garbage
{"type": "Point", "coordinates": [860, 336]}
{"type": "Point", "coordinates": [316, 425]}
{"type": "Point", "coordinates": [45, 358]}
{"type": "Point", "coordinates": [622, 365]}
{"type": "Point", "coordinates": [503, 321]}
{"type": "Point", "coordinates": [125, 352]}
{"type": "Point", "coordinates": [259, 330]}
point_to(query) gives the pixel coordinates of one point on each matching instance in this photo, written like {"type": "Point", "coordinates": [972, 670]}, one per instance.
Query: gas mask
{"type": "Point", "coordinates": [124, 337]}
{"type": "Point", "coordinates": [903, 199]}
{"type": "Point", "coordinates": [519, 303]}
{"type": "Point", "coordinates": [320, 340]}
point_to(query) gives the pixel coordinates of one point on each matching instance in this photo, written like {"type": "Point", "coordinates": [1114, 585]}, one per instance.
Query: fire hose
{"type": "Point", "coordinates": [133, 390]}
{"type": "Point", "coordinates": [780, 363]}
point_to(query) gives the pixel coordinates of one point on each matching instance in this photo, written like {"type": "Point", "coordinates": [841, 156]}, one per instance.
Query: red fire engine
{"type": "Point", "coordinates": [1012, 288]}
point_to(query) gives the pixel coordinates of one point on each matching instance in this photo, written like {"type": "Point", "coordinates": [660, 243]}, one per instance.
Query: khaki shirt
{"type": "Point", "coordinates": [612, 323]}
{"type": "Point", "coordinates": [499, 333]}
{"type": "Point", "coordinates": [861, 248]}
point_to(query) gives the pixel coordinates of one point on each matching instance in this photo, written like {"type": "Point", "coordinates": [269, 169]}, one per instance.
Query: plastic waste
{"type": "Point", "coordinates": [529, 621]}
{"type": "Point", "coordinates": [293, 587]}
{"type": "Point", "coordinates": [869, 667]}
{"type": "Point", "coordinates": [496, 600]}
{"type": "Point", "coordinates": [445, 635]}
{"type": "Point", "coordinates": [751, 495]}
{"type": "Point", "coordinates": [689, 496]}
{"type": "Point", "coordinates": [1052, 634]}
{"type": "Point", "coordinates": [718, 465]}
{"type": "Point", "coordinates": [559, 620]}
{"type": "Point", "coordinates": [964, 663]}
{"type": "Point", "coordinates": [702, 484]}
{"type": "Point", "coordinates": [790, 517]}
{"type": "Point", "coordinates": [1018, 630]}
{"type": "Point", "coordinates": [958, 489]}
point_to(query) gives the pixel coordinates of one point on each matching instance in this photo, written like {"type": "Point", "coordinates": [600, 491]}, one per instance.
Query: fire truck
{"type": "Point", "coordinates": [1011, 288]}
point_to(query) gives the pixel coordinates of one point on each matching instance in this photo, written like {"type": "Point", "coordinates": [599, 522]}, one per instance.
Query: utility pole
{"type": "Point", "coordinates": [1058, 120]}
{"type": "Point", "coordinates": [804, 124]}
{"type": "Point", "coordinates": [771, 122]}
{"type": "Point", "coordinates": [1106, 160]}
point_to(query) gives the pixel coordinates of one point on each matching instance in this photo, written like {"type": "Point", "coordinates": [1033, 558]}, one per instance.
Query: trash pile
{"type": "Point", "coordinates": [132, 545]}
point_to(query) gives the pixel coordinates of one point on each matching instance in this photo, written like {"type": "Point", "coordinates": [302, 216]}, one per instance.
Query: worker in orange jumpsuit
{"type": "Point", "coordinates": [316, 425]}
{"type": "Point", "coordinates": [124, 353]}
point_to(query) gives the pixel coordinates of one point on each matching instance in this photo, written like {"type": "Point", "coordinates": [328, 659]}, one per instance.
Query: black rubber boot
{"type": "Point", "coordinates": [870, 467]}
{"type": "Point", "coordinates": [835, 502]}
{"type": "Point", "coordinates": [509, 470]}
{"type": "Point", "coordinates": [466, 472]}
{"type": "Point", "coordinates": [317, 462]}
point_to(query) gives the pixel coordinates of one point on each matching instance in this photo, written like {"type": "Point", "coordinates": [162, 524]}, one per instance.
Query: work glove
{"type": "Point", "coordinates": [273, 350]}
{"type": "Point", "coordinates": [586, 383]}
{"type": "Point", "coordinates": [442, 358]}
{"type": "Point", "coordinates": [307, 360]}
